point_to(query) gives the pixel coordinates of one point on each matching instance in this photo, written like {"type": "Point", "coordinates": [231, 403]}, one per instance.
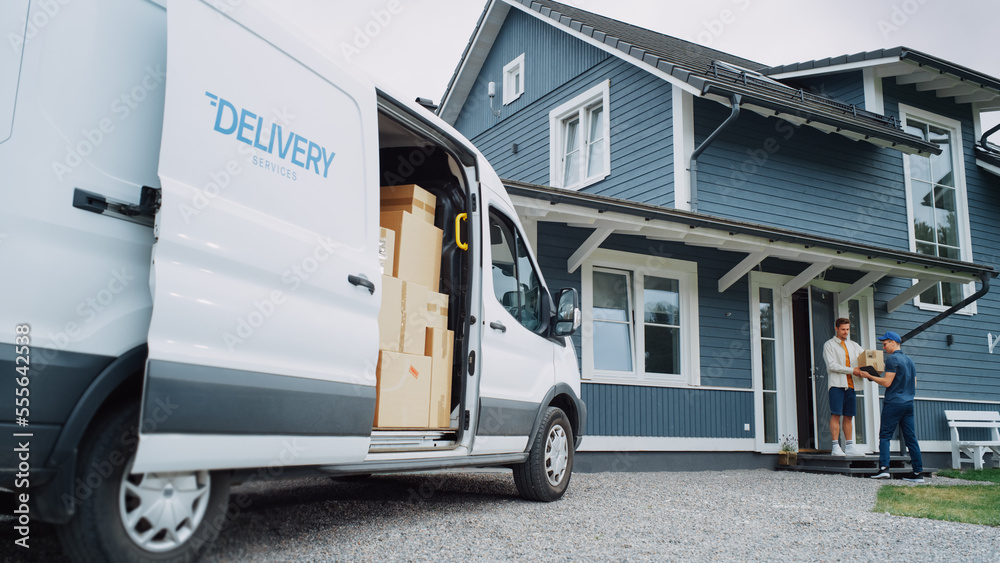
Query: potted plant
{"type": "Point", "coordinates": [788, 451]}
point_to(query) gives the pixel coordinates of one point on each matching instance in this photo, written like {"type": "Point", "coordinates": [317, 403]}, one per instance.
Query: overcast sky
{"type": "Point", "coordinates": [413, 46]}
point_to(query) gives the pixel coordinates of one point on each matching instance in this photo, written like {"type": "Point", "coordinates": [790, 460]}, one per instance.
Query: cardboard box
{"type": "Point", "coordinates": [390, 315]}
{"type": "Point", "coordinates": [386, 251]}
{"type": "Point", "coordinates": [414, 334]}
{"type": "Point", "coordinates": [434, 313]}
{"type": "Point", "coordinates": [410, 197]}
{"type": "Point", "coordinates": [440, 348]}
{"type": "Point", "coordinates": [404, 390]}
{"type": "Point", "coordinates": [437, 310]}
{"type": "Point", "coordinates": [418, 248]}
{"type": "Point", "coordinates": [872, 358]}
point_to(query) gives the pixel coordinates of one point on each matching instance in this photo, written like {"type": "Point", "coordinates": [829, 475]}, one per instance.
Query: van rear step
{"type": "Point", "coordinates": [396, 440]}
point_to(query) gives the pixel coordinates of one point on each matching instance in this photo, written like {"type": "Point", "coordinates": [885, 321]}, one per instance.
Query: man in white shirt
{"type": "Point", "coordinates": [841, 356]}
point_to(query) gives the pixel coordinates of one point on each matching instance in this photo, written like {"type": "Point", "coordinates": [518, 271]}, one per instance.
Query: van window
{"type": "Point", "coordinates": [13, 17]}
{"type": "Point", "coordinates": [515, 282]}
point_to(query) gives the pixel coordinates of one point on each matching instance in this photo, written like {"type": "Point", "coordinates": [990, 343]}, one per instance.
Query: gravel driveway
{"type": "Point", "coordinates": [709, 515]}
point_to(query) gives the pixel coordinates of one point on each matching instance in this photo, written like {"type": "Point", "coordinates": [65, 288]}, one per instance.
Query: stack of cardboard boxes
{"type": "Point", "coordinates": [415, 345]}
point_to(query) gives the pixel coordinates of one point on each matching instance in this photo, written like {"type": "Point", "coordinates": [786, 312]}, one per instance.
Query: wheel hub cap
{"type": "Point", "coordinates": [161, 511]}
{"type": "Point", "coordinates": [556, 455]}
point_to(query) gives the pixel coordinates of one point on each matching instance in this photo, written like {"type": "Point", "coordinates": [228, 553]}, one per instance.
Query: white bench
{"type": "Point", "coordinates": [974, 449]}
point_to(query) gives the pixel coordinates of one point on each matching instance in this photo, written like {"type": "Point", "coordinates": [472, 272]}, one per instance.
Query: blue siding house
{"type": "Point", "coordinates": [717, 215]}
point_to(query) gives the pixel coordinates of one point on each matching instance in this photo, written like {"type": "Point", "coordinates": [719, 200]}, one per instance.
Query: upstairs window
{"type": "Point", "coordinates": [513, 80]}
{"type": "Point", "coordinates": [935, 186]}
{"type": "Point", "coordinates": [579, 140]}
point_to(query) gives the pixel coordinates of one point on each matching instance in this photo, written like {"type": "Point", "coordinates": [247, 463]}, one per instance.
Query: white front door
{"type": "Point", "coordinates": [263, 340]}
{"type": "Point", "coordinates": [790, 379]}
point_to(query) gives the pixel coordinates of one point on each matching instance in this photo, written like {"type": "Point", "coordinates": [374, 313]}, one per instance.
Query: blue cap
{"type": "Point", "coordinates": [890, 336]}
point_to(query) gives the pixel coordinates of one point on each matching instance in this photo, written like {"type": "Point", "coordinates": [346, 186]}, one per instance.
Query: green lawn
{"type": "Point", "coordinates": [992, 475]}
{"type": "Point", "coordinates": [971, 504]}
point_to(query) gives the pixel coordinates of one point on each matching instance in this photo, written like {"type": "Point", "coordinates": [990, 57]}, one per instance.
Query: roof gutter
{"type": "Point", "coordinates": [982, 140]}
{"type": "Point", "coordinates": [734, 101]}
{"type": "Point", "coordinates": [984, 277]}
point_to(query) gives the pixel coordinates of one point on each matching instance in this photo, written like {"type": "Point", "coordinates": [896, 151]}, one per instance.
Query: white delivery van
{"type": "Point", "coordinates": [191, 281]}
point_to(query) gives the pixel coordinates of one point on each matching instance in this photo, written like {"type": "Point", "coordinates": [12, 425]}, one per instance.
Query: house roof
{"type": "Point", "coordinates": [907, 66]}
{"type": "Point", "coordinates": [702, 71]}
{"type": "Point", "coordinates": [607, 215]}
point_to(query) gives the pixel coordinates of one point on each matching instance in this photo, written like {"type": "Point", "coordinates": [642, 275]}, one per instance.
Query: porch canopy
{"type": "Point", "coordinates": [606, 216]}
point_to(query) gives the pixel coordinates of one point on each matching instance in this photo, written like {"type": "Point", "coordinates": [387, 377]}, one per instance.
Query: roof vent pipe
{"type": "Point", "coordinates": [734, 104]}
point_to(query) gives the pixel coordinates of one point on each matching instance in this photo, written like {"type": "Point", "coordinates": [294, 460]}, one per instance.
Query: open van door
{"type": "Point", "coordinates": [265, 275]}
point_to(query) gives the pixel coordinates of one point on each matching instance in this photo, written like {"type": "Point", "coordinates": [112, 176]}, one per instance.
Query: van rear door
{"type": "Point", "coordinates": [266, 285]}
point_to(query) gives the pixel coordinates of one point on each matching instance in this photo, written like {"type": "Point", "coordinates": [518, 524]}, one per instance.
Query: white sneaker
{"type": "Point", "coordinates": [852, 449]}
{"type": "Point", "coordinates": [883, 473]}
{"type": "Point", "coordinates": [836, 450]}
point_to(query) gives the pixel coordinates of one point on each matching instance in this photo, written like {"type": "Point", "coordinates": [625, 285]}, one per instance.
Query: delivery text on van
{"type": "Point", "coordinates": [250, 128]}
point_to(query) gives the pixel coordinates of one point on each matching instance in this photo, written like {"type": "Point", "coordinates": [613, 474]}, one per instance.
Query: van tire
{"type": "Point", "coordinates": [96, 532]}
{"type": "Point", "coordinates": [546, 473]}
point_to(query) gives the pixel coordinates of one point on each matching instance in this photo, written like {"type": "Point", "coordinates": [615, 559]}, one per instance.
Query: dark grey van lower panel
{"type": "Point", "coordinates": [57, 379]}
{"type": "Point", "coordinates": [396, 466]}
{"type": "Point", "coordinates": [503, 417]}
{"type": "Point", "coordinates": [192, 399]}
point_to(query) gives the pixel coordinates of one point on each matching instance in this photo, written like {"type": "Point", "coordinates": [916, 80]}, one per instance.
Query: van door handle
{"type": "Point", "coordinates": [497, 325]}
{"type": "Point", "coordinates": [362, 281]}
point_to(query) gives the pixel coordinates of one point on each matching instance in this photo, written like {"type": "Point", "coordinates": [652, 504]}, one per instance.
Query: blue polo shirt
{"type": "Point", "coordinates": [903, 387]}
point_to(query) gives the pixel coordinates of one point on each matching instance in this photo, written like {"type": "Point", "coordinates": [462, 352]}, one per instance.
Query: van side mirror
{"type": "Point", "coordinates": [567, 312]}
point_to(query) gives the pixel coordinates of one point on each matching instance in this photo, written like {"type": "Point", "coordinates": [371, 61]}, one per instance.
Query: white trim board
{"type": "Point", "coordinates": [988, 167]}
{"type": "Point", "coordinates": [682, 120]}
{"type": "Point", "coordinates": [664, 444]}
{"type": "Point", "coordinates": [971, 401]}
{"type": "Point", "coordinates": [834, 69]}
{"type": "Point", "coordinates": [926, 446]}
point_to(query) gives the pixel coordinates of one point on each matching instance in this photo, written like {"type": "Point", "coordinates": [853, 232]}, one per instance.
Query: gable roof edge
{"type": "Point", "coordinates": [463, 79]}
{"type": "Point", "coordinates": [613, 46]}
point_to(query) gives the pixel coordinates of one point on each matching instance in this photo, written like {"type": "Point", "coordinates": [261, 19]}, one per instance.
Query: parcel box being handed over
{"type": "Point", "coordinates": [872, 358]}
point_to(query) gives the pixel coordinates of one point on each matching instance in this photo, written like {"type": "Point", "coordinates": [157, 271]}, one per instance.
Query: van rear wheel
{"type": "Point", "coordinates": [121, 516]}
{"type": "Point", "coordinates": [546, 473]}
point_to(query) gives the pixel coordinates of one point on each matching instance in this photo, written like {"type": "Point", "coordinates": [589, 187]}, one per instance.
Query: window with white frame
{"type": "Point", "coordinates": [936, 200]}
{"type": "Point", "coordinates": [513, 80]}
{"type": "Point", "coordinates": [643, 316]}
{"type": "Point", "coordinates": [579, 140]}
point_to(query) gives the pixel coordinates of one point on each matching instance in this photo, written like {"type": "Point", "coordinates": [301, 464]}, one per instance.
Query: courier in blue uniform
{"type": "Point", "coordinates": [899, 379]}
